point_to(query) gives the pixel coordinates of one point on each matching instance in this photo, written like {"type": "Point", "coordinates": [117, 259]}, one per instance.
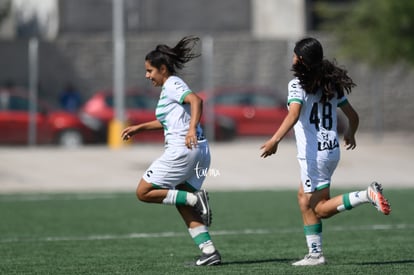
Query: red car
{"type": "Point", "coordinates": [140, 104]}
{"type": "Point", "coordinates": [254, 111]}
{"type": "Point", "coordinates": [57, 127]}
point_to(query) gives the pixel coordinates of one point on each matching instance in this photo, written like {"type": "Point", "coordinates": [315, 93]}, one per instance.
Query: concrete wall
{"type": "Point", "coordinates": [144, 16]}
{"type": "Point", "coordinates": [278, 19]}
{"type": "Point", "coordinates": [260, 18]}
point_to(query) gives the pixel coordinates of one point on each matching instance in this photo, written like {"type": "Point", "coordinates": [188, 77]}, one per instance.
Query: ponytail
{"type": "Point", "coordinates": [173, 58]}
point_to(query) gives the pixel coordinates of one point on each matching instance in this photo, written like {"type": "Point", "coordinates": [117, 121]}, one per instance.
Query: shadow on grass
{"type": "Point", "coordinates": [387, 262]}
{"type": "Point", "coordinates": [247, 262]}
{"type": "Point", "coordinates": [257, 261]}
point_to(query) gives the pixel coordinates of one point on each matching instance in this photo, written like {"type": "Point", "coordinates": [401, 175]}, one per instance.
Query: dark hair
{"type": "Point", "coordinates": [173, 58]}
{"type": "Point", "coordinates": [314, 72]}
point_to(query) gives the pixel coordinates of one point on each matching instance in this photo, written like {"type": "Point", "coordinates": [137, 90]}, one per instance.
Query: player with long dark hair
{"type": "Point", "coordinates": [172, 179]}
{"type": "Point", "coordinates": [319, 87]}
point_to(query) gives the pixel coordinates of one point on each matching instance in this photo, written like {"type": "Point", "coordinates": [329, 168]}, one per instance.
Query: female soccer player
{"type": "Point", "coordinates": [172, 179]}
{"type": "Point", "coordinates": [315, 93]}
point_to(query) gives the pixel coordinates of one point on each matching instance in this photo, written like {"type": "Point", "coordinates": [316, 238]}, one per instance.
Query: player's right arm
{"type": "Point", "coordinates": [353, 122]}
{"type": "Point", "coordinates": [129, 131]}
{"type": "Point", "coordinates": [295, 101]}
{"type": "Point", "coordinates": [270, 146]}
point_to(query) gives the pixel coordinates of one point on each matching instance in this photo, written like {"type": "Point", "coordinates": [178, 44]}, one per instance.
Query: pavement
{"type": "Point", "coordinates": [235, 165]}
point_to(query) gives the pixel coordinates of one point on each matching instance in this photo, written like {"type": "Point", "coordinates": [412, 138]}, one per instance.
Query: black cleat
{"type": "Point", "coordinates": [203, 207]}
{"type": "Point", "coordinates": [209, 259]}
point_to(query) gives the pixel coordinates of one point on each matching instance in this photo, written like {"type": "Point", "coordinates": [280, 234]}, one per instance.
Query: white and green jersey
{"type": "Point", "coordinates": [173, 114]}
{"type": "Point", "coordinates": [316, 130]}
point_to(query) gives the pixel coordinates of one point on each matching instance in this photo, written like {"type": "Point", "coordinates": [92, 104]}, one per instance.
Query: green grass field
{"type": "Point", "coordinates": [256, 233]}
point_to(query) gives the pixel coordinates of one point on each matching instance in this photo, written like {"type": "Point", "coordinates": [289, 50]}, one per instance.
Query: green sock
{"type": "Point", "coordinates": [202, 239]}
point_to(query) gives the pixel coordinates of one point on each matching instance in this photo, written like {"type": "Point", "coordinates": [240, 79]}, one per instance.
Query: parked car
{"type": "Point", "coordinates": [52, 126]}
{"type": "Point", "coordinates": [140, 104]}
{"type": "Point", "coordinates": [254, 111]}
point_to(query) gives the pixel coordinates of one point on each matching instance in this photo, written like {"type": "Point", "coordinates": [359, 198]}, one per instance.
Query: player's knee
{"type": "Point", "coordinates": [323, 215]}
{"type": "Point", "coordinates": [143, 191]}
{"type": "Point", "coordinates": [321, 212]}
{"type": "Point", "coordinates": [142, 196]}
{"type": "Point", "coordinates": [303, 201]}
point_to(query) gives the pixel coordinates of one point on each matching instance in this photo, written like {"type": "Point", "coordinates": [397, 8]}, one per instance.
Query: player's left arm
{"type": "Point", "coordinates": [353, 122]}
{"type": "Point", "coordinates": [196, 107]}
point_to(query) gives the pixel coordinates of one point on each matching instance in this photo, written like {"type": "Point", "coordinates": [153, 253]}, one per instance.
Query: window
{"type": "Point", "coordinates": [141, 102]}
{"type": "Point", "coordinates": [18, 104]}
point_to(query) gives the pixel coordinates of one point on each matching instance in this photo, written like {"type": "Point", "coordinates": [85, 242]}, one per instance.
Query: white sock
{"type": "Point", "coordinates": [357, 198]}
{"type": "Point", "coordinates": [314, 243]}
{"type": "Point", "coordinates": [171, 197]}
{"type": "Point", "coordinates": [207, 247]}
{"type": "Point", "coordinates": [352, 200]}
{"type": "Point", "coordinates": [179, 197]}
{"type": "Point", "coordinates": [191, 199]}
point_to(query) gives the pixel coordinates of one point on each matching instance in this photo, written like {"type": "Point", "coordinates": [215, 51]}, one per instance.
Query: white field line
{"type": "Point", "coordinates": [213, 233]}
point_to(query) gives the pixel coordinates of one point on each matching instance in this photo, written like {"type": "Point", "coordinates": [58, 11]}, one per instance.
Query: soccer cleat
{"type": "Point", "coordinates": [203, 207]}
{"type": "Point", "coordinates": [209, 259]}
{"type": "Point", "coordinates": [311, 259]}
{"type": "Point", "coordinates": [374, 193]}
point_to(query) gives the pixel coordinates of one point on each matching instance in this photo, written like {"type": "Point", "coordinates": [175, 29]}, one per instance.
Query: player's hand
{"type": "Point", "coordinates": [128, 132]}
{"type": "Point", "coordinates": [350, 142]}
{"type": "Point", "coordinates": [191, 139]}
{"type": "Point", "coordinates": [269, 148]}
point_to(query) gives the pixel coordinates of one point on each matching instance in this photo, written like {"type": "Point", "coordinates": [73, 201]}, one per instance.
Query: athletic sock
{"type": "Point", "coordinates": [202, 239]}
{"type": "Point", "coordinates": [179, 197]}
{"type": "Point", "coordinates": [353, 199]}
{"type": "Point", "coordinates": [191, 199]}
{"type": "Point", "coordinates": [313, 235]}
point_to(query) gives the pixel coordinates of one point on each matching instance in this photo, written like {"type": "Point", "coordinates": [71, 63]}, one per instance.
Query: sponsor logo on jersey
{"type": "Point", "coordinates": [327, 145]}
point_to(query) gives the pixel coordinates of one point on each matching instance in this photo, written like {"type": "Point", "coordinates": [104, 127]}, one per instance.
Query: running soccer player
{"type": "Point", "coordinates": [172, 178]}
{"type": "Point", "coordinates": [315, 93]}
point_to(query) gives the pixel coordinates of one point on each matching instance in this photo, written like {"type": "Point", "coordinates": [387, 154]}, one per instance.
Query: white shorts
{"type": "Point", "coordinates": [180, 165]}
{"type": "Point", "coordinates": [316, 174]}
